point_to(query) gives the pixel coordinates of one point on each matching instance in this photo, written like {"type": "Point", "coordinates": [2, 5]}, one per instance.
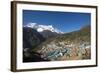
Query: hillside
{"type": "Point", "coordinates": [73, 45]}
{"type": "Point", "coordinates": [31, 40]}
{"type": "Point", "coordinates": [80, 35]}
{"type": "Point", "coordinates": [53, 46]}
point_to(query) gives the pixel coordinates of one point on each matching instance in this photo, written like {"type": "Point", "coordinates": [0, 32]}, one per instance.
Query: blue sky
{"type": "Point", "coordinates": [63, 21]}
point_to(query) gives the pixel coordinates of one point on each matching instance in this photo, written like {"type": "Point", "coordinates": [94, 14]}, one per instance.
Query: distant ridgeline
{"type": "Point", "coordinates": [83, 34]}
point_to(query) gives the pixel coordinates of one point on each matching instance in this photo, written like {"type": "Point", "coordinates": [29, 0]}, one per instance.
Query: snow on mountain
{"type": "Point", "coordinates": [41, 28]}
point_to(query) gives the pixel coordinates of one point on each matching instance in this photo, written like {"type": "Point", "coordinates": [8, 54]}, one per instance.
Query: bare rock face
{"type": "Point", "coordinates": [31, 38]}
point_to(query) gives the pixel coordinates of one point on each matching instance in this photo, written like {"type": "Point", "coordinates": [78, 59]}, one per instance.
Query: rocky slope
{"type": "Point", "coordinates": [69, 46]}
{"type": "Point", "coordinates": [52, 46]}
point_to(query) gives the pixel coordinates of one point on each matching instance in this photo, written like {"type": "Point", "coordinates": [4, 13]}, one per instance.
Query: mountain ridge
{"type": "Point", "coordinates": [41, 28]}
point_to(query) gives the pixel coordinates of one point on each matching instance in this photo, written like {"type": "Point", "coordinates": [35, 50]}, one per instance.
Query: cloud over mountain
{"type": "Point", "coordinates": [41, 28]}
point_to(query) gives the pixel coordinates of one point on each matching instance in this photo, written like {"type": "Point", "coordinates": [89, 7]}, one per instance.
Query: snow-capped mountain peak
{"type": "Point", "coordinates": [41, 28]}
{"type": "Point", "coordinates": [31, 25]}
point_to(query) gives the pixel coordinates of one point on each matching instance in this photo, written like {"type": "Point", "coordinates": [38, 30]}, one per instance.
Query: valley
{"type": "Point", "coordinates": [53, 46]}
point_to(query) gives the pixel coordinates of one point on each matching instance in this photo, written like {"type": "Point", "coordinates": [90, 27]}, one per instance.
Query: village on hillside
{"type": "Point", "coordinates": [66, 51]}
